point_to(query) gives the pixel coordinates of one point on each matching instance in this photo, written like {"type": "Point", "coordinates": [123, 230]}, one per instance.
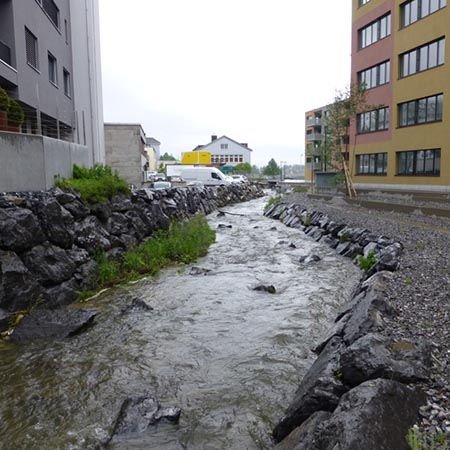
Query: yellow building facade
{"type": "Point", "coordinates": [400, 52]}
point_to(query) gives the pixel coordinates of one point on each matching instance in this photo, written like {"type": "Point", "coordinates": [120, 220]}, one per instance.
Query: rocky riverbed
{"type": "Point", "coordinates": [419, 290]}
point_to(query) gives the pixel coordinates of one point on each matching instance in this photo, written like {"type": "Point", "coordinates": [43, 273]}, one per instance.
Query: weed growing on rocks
{"type": "Point", "coordinates": [182, 243]}
{"type": "Point", "coordinates": [420, 441]}
{"type": "Point", "coordinates": [368, 261]}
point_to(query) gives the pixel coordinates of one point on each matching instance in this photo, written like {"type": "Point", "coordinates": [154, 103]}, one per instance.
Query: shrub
{"type": "Point", "coordinates": [420, 441]}
{"type": "Point", "coordinates": [368, 261]}
{"type": "Point", "coordinates": [95, 184]}
{"type": "Point", "coordinates": [4, 100]}
{"type": "Point", "coordinates": [182, 243]}
{"type": "Point", "coordinates": [16, 115]}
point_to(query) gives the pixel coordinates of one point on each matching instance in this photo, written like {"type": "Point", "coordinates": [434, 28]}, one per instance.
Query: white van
{"type": "Point", "coordinates": [209, 176]}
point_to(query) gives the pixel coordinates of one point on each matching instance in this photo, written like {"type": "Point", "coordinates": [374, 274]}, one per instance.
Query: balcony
{"type": "Point", "coordinates": [315, 122]}
{"type": "Point", "coordinates": [314, 137]}
{"type": "Point", "coordinates": [5, 53]}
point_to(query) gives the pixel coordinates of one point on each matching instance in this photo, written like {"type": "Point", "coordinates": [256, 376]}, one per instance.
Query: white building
{"type": "Point", "coordinates": [226, 152]}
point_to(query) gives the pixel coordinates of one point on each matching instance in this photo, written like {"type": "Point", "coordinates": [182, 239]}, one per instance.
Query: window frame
{"type": "Point", "coordinates": [372, 164]}
{"type": "Point", "coordinates": [52, 64]}
{"type": "Point", "coordinates": [409, 112]}
{"type": "Point", "coordinates": [410, 62]}
{"type": "Point", "coordinates": [367, 74]}
{"type": "Point", "coordinates": [29, 35]}
{"type": "Point", "coordinates": [415, 162]}
{"type": "Point", "coordinates": [382, 27]}
{"type": "Point", "coordinates": [67, 83]}
{"type": "Point", "coordinates": [419, 12]}
{"type": "Point", "coordinates": [379, 118]}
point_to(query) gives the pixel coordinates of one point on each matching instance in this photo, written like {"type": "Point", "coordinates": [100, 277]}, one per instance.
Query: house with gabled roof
{"type": "Point", "coordinates": [226, 152]}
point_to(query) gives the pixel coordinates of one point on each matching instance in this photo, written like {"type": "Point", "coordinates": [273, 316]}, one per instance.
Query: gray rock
{"type": "Point", "coordinates": [304, 436]}
{"type": "Point", "coordinates": [102, 211]}
{"type": "Point", "coordinates": [19, 229]}
{"type": "Point", "coordinates": [18, 288]}
{"type": "Point", "coordinates": [309, 259]}
{"type": "Point", "coordinates": [388, 259]}
{"type": "Point", "coordinates": [199, 271]}
{"type": "Point", "coordinates": [91, 236]}
{"type": "Point", "coordinates": [46, 324]}
{"type": "Point", "coordinates": [77, 209]}
{"type": "Point", "coordinates": [320, 390]}
{"type": "Point", "coordinates": [87, 274]}
{"type": "Point", "coordinates": [376, 415]}
{"type": "Point", "coordinates": [375, 356]}
{"type": "Point", "coordinates": [57, 222]}
{"type": "Point", "coordinates": [138, 414]}
{"type": "Point", "coordinates": [50, 264]}
{"type": "Point", "coordinates": [61, 295]}
{"type": "Point", "coordinates": [136, 304]}
{"type": "Point", "coordinates": [265, 288]}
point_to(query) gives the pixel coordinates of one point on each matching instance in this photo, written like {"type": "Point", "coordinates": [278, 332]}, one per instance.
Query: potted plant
{"type": "Point", "coordinates": [16, 116]}
{"type": "Point", "coordinates": [4, 105]}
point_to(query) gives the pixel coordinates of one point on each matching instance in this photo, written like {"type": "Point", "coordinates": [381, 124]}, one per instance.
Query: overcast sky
{"type": "Point", "coordinates": [247, 69]}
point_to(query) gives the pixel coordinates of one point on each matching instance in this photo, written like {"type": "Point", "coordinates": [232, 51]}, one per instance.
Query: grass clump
{"type": "Point", "coordinates": [184, 242]}
{"type": "Point", "coordinates": [272, 200]}
{"type": "Point", "coordinates": [420, 441]}
{"type": "Point", "coordinates": [368, 261]}
{"type": "Point", "coordinates": [95, 184]}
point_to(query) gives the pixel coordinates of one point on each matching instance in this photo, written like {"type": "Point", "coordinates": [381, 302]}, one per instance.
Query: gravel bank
{"type": "Point", "coordinates": [419, 290]}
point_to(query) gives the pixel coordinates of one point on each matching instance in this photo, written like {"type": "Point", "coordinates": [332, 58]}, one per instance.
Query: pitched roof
{"type": "Point", "coordinates": [151, 141]}
{"type": "Point", "coordinates": [203, 147]}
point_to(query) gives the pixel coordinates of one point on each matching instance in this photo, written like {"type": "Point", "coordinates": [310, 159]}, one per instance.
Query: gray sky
{"type": "Point", "coordinates": [248, 69]}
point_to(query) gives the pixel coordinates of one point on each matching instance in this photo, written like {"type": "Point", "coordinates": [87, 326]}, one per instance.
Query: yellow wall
{"type": "Point", "coordinates": [430, 82]}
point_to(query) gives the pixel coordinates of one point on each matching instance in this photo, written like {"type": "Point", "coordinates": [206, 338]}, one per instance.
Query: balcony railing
{"type": "Point", "coordinates": [314, 137]}
{"type": "Point", "coordinates": [5, 53]}
{"type": "Point", "coordinates": [315, 122]}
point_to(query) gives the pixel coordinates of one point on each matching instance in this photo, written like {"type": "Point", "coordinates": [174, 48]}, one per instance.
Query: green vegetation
{"type": "Point", "coordinates": [243, 168]}
{"type": "Point", "coordinates": [272, 169]}
{"type": "Point", "coordinates": [271, 201]}
{"type": "Point", "coordinates": [95, 184]}
{"type": "Point", "coordinates": [167, 157]}
{"type": "Point", "coordinates": [16, 116]}
{"type": "Point", "coordinates": [183, 243]}
{"type": "Point", "coordinates": [4, 100]}
{"type": "Point", "coordinates": [408, 281]}
{"type": "Point", "coordinates": [420, 441]}
{"type": "Point", "coordinates": [368, 261]}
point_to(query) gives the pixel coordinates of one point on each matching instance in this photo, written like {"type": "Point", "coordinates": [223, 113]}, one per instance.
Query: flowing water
{"type": "Point", "coordinates": [229, 356]}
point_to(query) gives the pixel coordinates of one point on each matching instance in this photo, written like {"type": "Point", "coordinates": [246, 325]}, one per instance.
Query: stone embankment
{"type": "Point", "coordinates": [365, 389]}
{"type": "Point", "coordinates": [48, 240]}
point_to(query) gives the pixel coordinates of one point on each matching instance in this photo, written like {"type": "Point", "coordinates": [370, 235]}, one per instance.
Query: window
{"type": "Point", "coordinates": [419, 162]}
{"type": "Point", "coordinates": [375, 31]}
{"type": "Point", "coordinates": [371, 164]}
{"type": "Point", "coordinates": [66, 31]}
{"type": "Point", "coordinates": [52, 69]}
{"type": "Point", "coordinates": [375, 120]}
{"type": "Point", "coordinates": [375, 76]}
{"type": "Point", "coordinates": [414, 10]}
{"type": "Point", "coordinates": [66, 79]}
{"type": "Point", "coordinates": [422, 58]}
{"type": "Point", "coordinates": [52, 11]}
{"type": "Point", "coordinates": [223, 146]}
{"type": "Point", "coordinates": [419, 111]}
{"type": "Point", "coordinates": [31, 45]}
{"type": "Point", "coordinates": [363, 2]}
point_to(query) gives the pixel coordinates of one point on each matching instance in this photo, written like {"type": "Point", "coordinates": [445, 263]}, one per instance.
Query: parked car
{"type": "Point", "coordinates": [239, 179]}
{"type": "Point", "coordinates": [162, 185]}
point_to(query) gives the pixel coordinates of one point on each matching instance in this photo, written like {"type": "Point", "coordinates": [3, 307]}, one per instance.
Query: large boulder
{"type": "Point", "coordinates": [19, 230]}
{"type": "Point", "coordinates": [91, 235]}
{"type": "Point", "coordinates": [320, 390]}
{"type": "Point", "coordinates": [45, 324]}
{"type": "Point", "coordinates": [18, 288]}
{"type": "Point", "coordinates": [376, 356]}
{"type": "Point", "coordinates": [137, 414]}
{"type": "Point", "coordinates": [376, 415]}
{"type": "Point", "coordinates": [56, 222]}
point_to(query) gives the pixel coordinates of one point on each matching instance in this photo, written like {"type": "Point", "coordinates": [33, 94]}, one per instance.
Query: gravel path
{"type": "Point", "coordinates": [419, 290]}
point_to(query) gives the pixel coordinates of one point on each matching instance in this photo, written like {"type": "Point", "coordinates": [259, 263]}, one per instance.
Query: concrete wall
{"type": "Point", "coordinates": [29, 163]}
{"type": "Point", "coordinates": [124, 145]}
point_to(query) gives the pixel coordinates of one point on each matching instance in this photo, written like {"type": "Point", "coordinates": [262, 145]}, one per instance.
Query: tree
{"type": "Point", "coordinates": [272, 169]}
{"type": "Point", "coordinates": [244, 168]}
{"type": "Point", "coordinates": [256, 170]}
{"type": "Point", "coordinates": [347, 105]}
{"type": "Point", "coordinates": [167, 157]}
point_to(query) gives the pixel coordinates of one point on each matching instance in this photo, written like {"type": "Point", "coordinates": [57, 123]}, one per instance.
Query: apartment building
{"type": "Point", "coordinates": [399, 52]}
{"type": "Point", "coordinates": [315, 138]}
{"type": "Point", "coordinates": [50, 63]}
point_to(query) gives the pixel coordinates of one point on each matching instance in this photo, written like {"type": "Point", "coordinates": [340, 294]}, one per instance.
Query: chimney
{"type": "Point", "coordinates": [213, 138]}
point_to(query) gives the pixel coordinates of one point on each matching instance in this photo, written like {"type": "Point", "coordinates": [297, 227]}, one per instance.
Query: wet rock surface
{"type": "Point", "coordinates": [416, 249]}
{"type": "Point", "coordinates": [45, 324]}
{"type": "Point", "coordinates": [48, 240]}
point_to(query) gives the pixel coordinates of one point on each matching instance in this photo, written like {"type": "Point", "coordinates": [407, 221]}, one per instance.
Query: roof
{"type": "Point", "coordinates": [151, 140]}
{"type": "Point", "coordinates": [202, 147]}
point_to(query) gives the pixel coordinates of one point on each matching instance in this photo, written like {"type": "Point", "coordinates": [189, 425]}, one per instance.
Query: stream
{"type": "Point", "coordinates": [229, 356]}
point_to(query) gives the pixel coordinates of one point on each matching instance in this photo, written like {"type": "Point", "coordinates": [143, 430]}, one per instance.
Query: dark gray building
{"type": "Point", "coordinates": [50, 63]}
